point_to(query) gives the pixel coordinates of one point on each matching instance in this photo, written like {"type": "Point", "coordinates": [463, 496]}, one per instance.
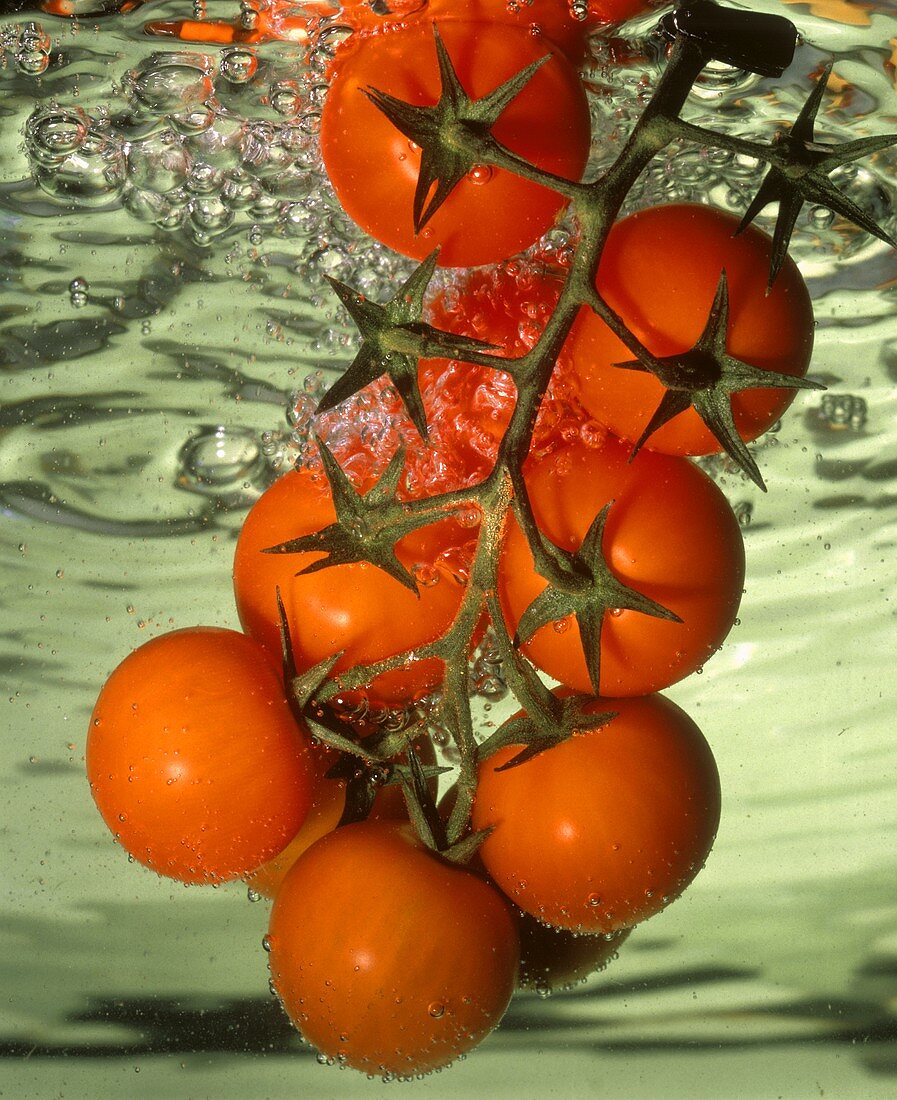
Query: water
{"type": "Point", "coordinates": [164, 230]}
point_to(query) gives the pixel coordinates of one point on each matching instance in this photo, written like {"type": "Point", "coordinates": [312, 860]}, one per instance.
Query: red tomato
{"type": "Point", "coordinates": [387, 957]}
{"type": "Point", "coordinates": [356, 609]}
{"type": "Point", "coordinates": [603, 830]}
{"type": "Point", "coordinates": [670, 535]}
{"type": "Point", "coordinates": [194, 758]}
{"type": "Point", "coordinates": [659, 272]}
{"type": "Point", "coordinates": [553, 959]}
{"type": "Point", "coordinates": [490, 215]}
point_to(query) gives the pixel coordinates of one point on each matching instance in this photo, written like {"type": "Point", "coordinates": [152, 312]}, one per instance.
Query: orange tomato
{"type": "Point", "coordinates": [553, 959]}
{"type": "Point", "coordinates": [492, 213]}
{"type": "Point", "coordinates": [659, 271]}
{"type": "Point", "coordinates": [194, 758]}
{"type": "Point", "coordinates": [356, 609]}
{"type": "Point", "coordinates": [603, 830]}
{"type": "Point", "coordinates": [387, 957]}
{"type": "Point", "coordinates": [670, 535]}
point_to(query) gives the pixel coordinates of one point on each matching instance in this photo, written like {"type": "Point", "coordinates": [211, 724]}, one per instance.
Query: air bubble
{"type": "Point", "coordinates": [285, 98]}
{"type": "Point", "coordinates": [221, 458]}
{"type": "Point", "coordinates": [78, 290]}
{"type": "Point", "coordinates": [843, 411]}
{"type": "Point", "coordinates": [480, 174]}
{"type": "Point", "coordinates": [238, 66]}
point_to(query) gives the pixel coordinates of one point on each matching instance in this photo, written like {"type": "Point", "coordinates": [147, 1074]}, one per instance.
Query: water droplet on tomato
{"type": "Point", "coordinates": [480, 173]}
{"type": "Point", "coordinates": [593, 901]}
{"type": "Point", "coordinates": [436, 1010]}
{"type": "Point", "coordinates": [425, 574]}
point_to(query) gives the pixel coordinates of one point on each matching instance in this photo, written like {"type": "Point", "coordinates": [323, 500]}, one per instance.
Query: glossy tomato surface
{"type": "Point", "coordinates": [670, 535]}
{"type": "Point", "coordinates": [194, 758]}
{"type": "Point", "coordinates": [603, 830]}
{"type": "Point", "coordinates": [659, 272]}
{"type": "Point", "coordinates": [356, 609]}
{"type": "Point", "coordinates": [387, 957]}
{"type": "Point", "coordinates": [491, 214]}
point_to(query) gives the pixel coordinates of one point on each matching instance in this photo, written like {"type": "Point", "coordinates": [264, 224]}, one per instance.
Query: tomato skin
{"type": "Point", "coordinates": [374, 169]}
{"type": "Point", "coordinates": [553, 959]}
{"type": "Point", "coordinates": [659, 271]}
{"type": "Point", "coordinates": [356, 609]}
{"type": "Point", "coordinates": [601, 831]}
{"type": "Point", "coordinates": [386, 956]}
{"type": "Point", "coordinates": [670, 534]}
{"type": "Point", "coordinates": [194, 758]}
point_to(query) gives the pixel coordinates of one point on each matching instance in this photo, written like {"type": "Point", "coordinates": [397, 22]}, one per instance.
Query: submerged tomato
{"type": "Point", "coordinates": [194, 758]}
{"type": "Point", "coordinates": [553, 959]}
{"type": "Point", "coordinates": [491, 214]}
{"type": "Point", "coordinates": [603, 830]}
{"type": "Point", "coordinates": [387, 957]}
{"type": "Point", "coordinates": [659, 271]}
{"type": "Point", "coordinates": [670, 535]}
{"type": "Point", "coordinates": [357, 609]}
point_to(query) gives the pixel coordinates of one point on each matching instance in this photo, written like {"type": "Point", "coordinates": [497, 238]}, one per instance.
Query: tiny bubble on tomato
{"type": "Point", "coordinates": [194, 758]}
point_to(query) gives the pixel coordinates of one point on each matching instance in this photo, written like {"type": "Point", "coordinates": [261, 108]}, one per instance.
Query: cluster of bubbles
{"type": "Point", "coordinates": [203, 144]}
{"type": "Point", "coordinates": [842, 412]}
{"type": "Point", "coordinates": [24, 48]}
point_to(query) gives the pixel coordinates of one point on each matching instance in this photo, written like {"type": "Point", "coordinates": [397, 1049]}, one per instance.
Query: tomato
{"type": "Point", "coordinates": [490, 215]}
{"type": "Point", "coordinates": [387, 957]}
{"type": "Point", "coordinates": [356, 609]}
{"type": "Point", "coordinates": [659, 272]}
{"type": "Point", "coordinates": [194, 758]}
{"type": "Point", "coordinates": [670, 535]}
{"type": "Point", "coordinates": [603, 830]}
{"type": "Point", "coordinates": [553, 959]}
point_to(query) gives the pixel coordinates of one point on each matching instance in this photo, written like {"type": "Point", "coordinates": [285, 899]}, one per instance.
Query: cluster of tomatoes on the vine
{"type": "Point", "coordinates": [395, 943]}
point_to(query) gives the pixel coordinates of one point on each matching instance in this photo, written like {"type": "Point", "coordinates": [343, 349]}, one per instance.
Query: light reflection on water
{"type": "Point", "coordinates": [152, 333]}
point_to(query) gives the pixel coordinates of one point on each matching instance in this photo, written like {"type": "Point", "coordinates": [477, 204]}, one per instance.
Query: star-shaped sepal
{"type": "Point", "coordinates": [366, 527]}
{"type": "Point", "coordinates": [569, 716]}
{"type": "Point", "coordinates": [454, 134]}
{"type": "Point", "coordinates": [394, 339]}
{"type": "Point", "coordinates": [799, 172]}
{"type": "Point", "coordinates": [586, 588]}
{"type": "Point", "coordinates": [705, 378]}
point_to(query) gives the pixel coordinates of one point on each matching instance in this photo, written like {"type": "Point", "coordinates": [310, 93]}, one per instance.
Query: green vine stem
{"type": "Point", "coordinates": [501, 498]}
